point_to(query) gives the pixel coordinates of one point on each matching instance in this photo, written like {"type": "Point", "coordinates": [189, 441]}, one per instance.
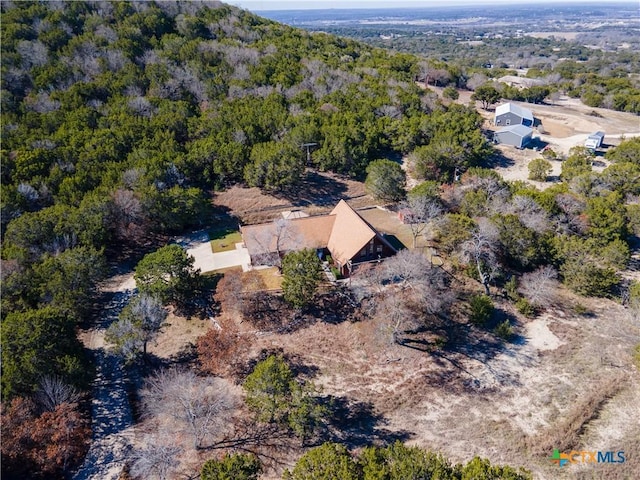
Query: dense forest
{"type": "Point", "coordinates": [470, 57]}
{"type": "Point", "coordinates": [119, 120]}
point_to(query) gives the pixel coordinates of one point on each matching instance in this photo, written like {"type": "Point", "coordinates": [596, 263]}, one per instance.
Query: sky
{"type": "Point", "coordinates": [310, 4]}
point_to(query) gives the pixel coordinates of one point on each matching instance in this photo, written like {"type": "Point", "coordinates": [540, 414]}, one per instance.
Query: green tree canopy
{"type": "Point", "coordinates": [539, 169]}
{"type": "Point", "coordinates": [627, 151]}
{"type": "Point", "coordinates": [68, 280]}
{"type": "Point", "coordinates": [36, 343]}
{"type": "Point", "coordinates": [239, 466]}
{"type": "Point", "coordinates": [167, 274]}
{"type": "Point", "coordinates": [607, 218]}
{"type": "Point", "coordinates": [481, 468]}
{"type": "Point", "coordinates": [578, 163]}
{"type": "Point", "coordinates": [487, 94]}
{"type": "Point", "coordinates": [277, 397]}
{"type": "Point", "coordinates": [332, 461]}
{"type": "Point", "coordinates": [329, 461]}
{"type": "Point", "coordinates": [589, 269]}
{"type": "Point", "coordinates": [302, 273]}
{"type": "Point", "coordinates": [399, 462]}
{"type": "Point", "coordinates": [274, 166]}
{"type": "Point", "coordinates": [385, 180]}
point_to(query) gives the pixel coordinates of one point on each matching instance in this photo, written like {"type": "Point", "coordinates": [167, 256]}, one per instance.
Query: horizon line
{"type": "Point", "coordinates": [461, 3]}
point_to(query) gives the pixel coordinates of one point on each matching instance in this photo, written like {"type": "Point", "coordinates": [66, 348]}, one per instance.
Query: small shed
{"type": "Point", "coordinates": [515, 135]}
{"type": "Point", "coordinates": [510, 114]}
{"type": "Point", "coordinates": [594, 140]}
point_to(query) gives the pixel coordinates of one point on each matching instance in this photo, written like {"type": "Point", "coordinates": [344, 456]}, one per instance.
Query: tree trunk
{"type": "Point", "coordinates": [483, 278]}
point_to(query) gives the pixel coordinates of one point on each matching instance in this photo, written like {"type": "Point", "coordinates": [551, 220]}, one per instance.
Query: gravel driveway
{"type": "Point", "coordinates": [111, 418]}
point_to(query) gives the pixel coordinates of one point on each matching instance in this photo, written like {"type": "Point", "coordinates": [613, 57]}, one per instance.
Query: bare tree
{"type": "Point", "coordinates": [424, 69]}
{"type": "Point", "coordinates": [54, 391]}
{"type": "Point", "coordinates": [229, 292]}
{"type": "Point", "coordinates": [440, 76]}
{"type": "Point", "coordinates": [540, 286]}
{"type": "Point", "coordinates": [420, 211]}
{"type": "Point", "coordinates": [416, 289]}
{"type": "Point", "coordinates": [530, 213]}
{"type": "Point", "coordinates": [156, 459]}
{"type": "Point", "coordinates": [202, 406]}
{"type": "Point", "coordinates": [496, 192]}
{"type": "Point", "coordinates": [140, 322]}
{"type": "Point", "coordinates": [126, 338]}
{"type": "Point", "coordinates": [128, 214]}
{"type": "Point", "coordinates": [476, 80]}
{"type": "Point", "coordinates": [396, 312]}
{"type": "Point", "coordinates": [32, 53]}
{"type": "Point", "coordinates": [481, 249]}
{"type": "Point", "coordinates": [571, 220]}
{"type": "Point", "coordinates": [406, 268]}
{"type": "Point", "coordinates": [149, 314]}
{"type": "Point", "coordinates": [29, 193]}
{"type": "Point", "coordinates": [274, 242]}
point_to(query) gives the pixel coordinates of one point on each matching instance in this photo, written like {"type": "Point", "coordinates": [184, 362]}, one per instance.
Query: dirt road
{"type": "Point", "coordinates": [111, 418]}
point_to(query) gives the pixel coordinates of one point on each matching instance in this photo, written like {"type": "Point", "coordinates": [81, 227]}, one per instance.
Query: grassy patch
{"type": "Point", "coordinates": [223, 240]}
{"type": "Point", "coordinates": [636, 356]}
{"type": "Point", "coordinates": [222, 271]}
{"type": "Point", "coordinates": [565, 434]}
{"type": "Point", "coordinates": [271, 278]}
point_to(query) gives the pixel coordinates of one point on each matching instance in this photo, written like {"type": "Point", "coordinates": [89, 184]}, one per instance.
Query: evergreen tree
{"type": "Point", "coordinates": [302, 273]}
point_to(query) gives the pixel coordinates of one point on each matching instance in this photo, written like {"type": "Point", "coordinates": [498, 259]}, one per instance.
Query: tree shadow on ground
{"type": "Point", "coordinates": [357, 424]}
{"type": "Point", "coordinates": [315, 189]}
{"type": "Point", "coordinates": [270, 312]}
{"type": "Point", "coordinates": [498, 159]}
{"type": "Point", "coordinates": [456, 347]}
{"type": "Point", "coordinates": [269, 442]}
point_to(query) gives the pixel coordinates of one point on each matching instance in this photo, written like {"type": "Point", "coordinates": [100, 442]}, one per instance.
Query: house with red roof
{"type": "Point", "coordinates": [342, 234]}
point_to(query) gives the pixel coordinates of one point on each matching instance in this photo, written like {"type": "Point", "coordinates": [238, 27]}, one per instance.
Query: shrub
{"type": "Point", "coordinates": [504, 330]}
{"type": "Point", "coordinates": [525, 308]}
{"type": "Point", "coordinates": [481, 309]}
{"type": "Point", "coordinates": [636, 356]}
{"type": "Point", "coordinates": [511, 287]}
{"type": "Point", "coordinates": [549, 154]}
{"type": "Point", "coordinates": [451, 93]}
{"type": "Point", "coordinates": [580, 309]}
{"type": "Point", "coordinates": [539, 169]}
{"type": "Point", "coordinates": [237, 467]}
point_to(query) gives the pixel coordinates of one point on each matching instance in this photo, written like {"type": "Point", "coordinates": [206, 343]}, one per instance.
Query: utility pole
{"type": "Point", "coordinates": [308, 146]}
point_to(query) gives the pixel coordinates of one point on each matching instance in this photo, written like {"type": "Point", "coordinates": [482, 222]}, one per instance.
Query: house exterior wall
{"type": "Point", "coordinates": [511, 118]}
{"type": "Point", "coordinates": [374, 250]}
{"type": "Point", "coordinates": [511, 138]}
{"type": "Point", "coordinates": [508, 118]}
